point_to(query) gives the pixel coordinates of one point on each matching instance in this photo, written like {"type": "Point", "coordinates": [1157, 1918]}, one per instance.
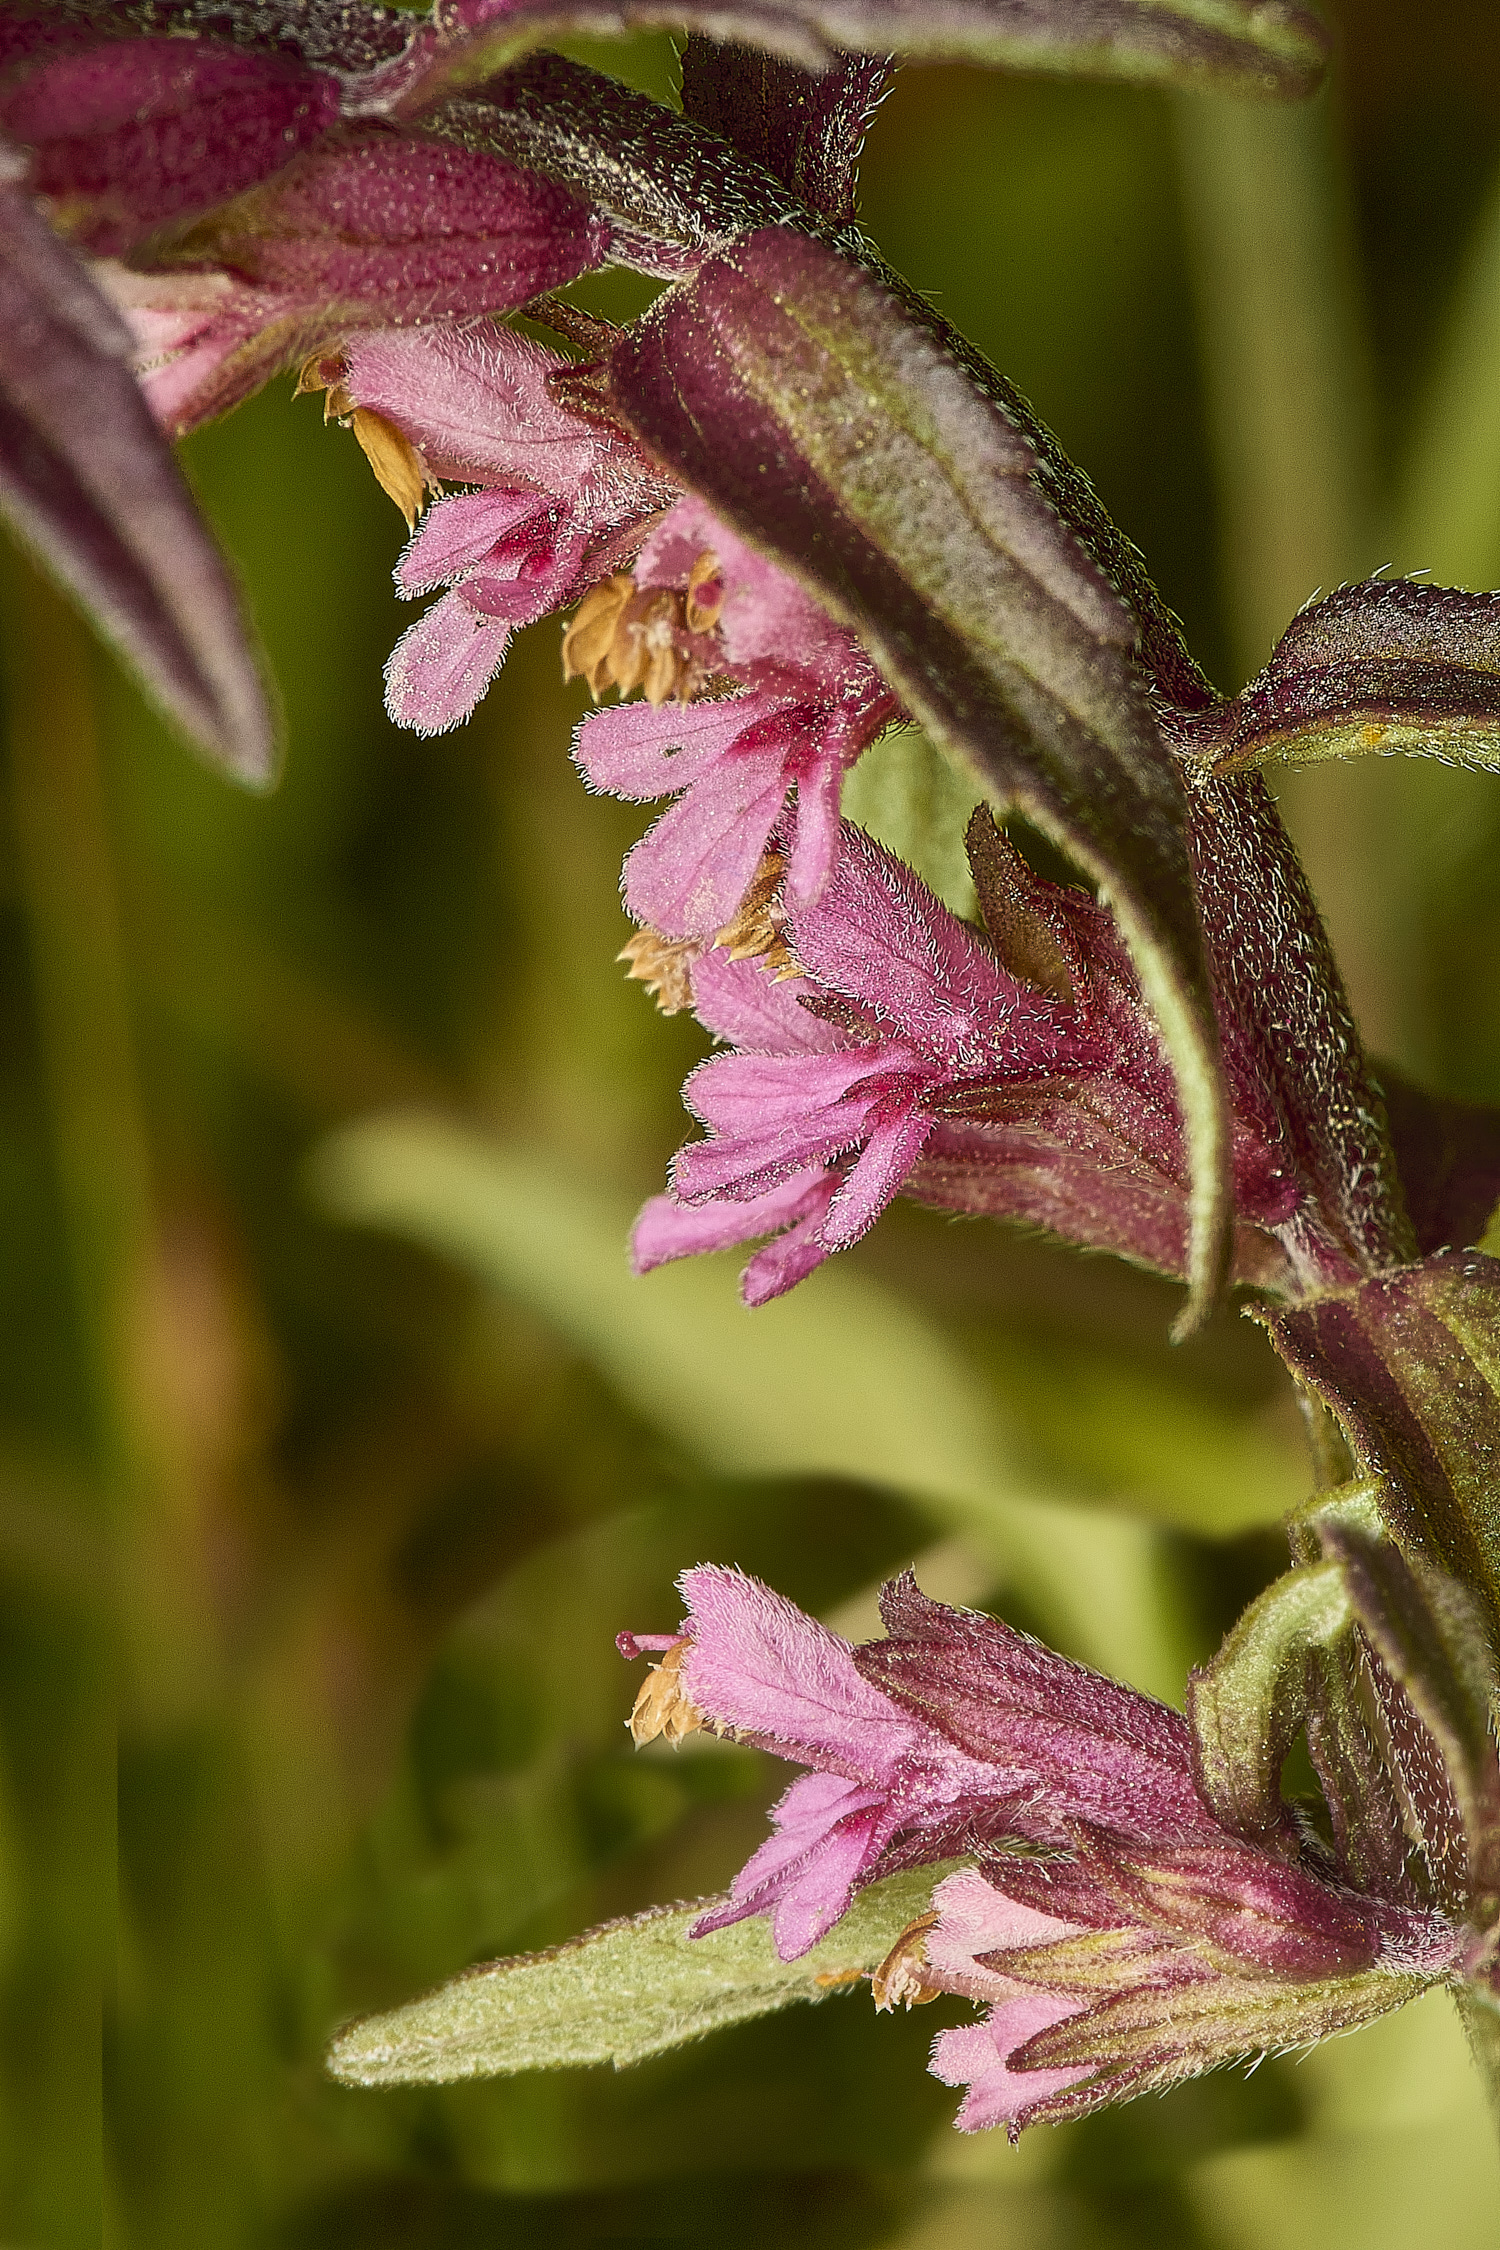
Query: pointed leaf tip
{"type": "Point", "coordinates": [1383, 667]}
{"type": "Point", "coordinates": [88, 483]}
{"type": "Point", "coordinates": [620, 1993]}
{"type": "Point", "coordinates": [1267, 48]}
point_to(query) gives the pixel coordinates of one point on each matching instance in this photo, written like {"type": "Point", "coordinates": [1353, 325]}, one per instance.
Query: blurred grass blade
{"type": "Point", "coordinates": [841, 1378]}
{"type": "Point", "coordinates": [1285, 358]}
{"type": "Point", "coordinates": [89, 483]}
{"type": "Point", "coordinates": [620, 1993]}
{"type": "Point", "coordinates": [1449, 520]}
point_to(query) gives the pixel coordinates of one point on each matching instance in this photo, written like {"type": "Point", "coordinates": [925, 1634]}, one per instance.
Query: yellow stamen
{"type": "Point", "coordinates": [400, 471]}
{"type": "Point", "coordinates": [663, 1706]}
{"type": "Point", "coordinates": [663, 965]}
{"type": "Point", "coordinates": [589, 636]}
{"type": "Point", "coordinates": [399, 468]}
{"type": "Point", "coordinates": [899, 1981]}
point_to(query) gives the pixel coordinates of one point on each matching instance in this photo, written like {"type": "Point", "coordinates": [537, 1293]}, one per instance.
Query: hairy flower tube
{"type": "Point", "coordinates": [1119, 1934]}
{"type": "Point", "coordinates": [1011, 1070]}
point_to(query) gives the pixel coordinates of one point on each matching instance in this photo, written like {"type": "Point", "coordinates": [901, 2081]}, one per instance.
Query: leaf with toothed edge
{"type": "Point", "coordinates": [88, 483]}
{"type": "Point", "coordinates": [619, 1993]}
{"type": "Point", "coordinates": [829, 425]}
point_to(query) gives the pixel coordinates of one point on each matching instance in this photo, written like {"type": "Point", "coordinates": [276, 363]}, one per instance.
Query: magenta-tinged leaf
{"type": "Point", "coordinates": [827, 423]}
{"type": "Point", "coordinates": [1385, 666]}
{"type": "Point", "coordinates": [1410, 1365]}
{"type": "Point", "coordinates": [807, 127]}
{"type": "Point", "coordinates": [87, 481]}
{"type": "Point", "coordinates": [372, 229]}
{"type": "Point", "coordinates": [127, 134]}
{"type": "Point", "coordinates": [1240, 45]}
{"type": "Point", "coordinates": [669, 187]}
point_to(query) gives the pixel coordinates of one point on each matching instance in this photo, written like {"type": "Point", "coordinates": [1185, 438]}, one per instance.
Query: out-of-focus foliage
{"type": "Point", "coordinates": [338, 1520]}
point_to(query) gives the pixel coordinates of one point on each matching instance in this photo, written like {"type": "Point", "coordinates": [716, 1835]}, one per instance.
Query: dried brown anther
{"type": "Point", "coordinates": [899, 1982]}
{"type": "Point", "coordinates": [757, 932]}
{"type": "Point", "coordinates": [626, 636]}
{"type": "Point", "coordinates": [400, 471]}
{"type": "Point", "coordinates": [705, 593]}
{"type": "Point", "coordinates": [664, 966]}
{"type": "Point", "coordinates": [663, 1706]}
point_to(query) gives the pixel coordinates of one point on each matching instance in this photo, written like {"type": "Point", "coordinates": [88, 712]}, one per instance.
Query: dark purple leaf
{"type": "Point", "coordinates": [125, 135]}
{"type": "Point", "coordinates": [1410, 1365]}
{"type": "Point", "coordinates": [1435, 1681]}
{"type": "Point", "coordinates": [1448, 1154]}
{"type": "Point", "coordinates": [826, 423]}
{"type": "Point", "coordinates": [808, 128]}
{"type": "Point", "coordinates": [1386, 666]}
{"type": "Point", "coordinates": [87, 480]}
{"type": "Point", "coordinates": [1243, 45]}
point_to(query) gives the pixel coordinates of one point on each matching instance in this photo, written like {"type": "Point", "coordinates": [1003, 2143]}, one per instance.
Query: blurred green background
{"type": "Point", "coordinates": [331, 1468]}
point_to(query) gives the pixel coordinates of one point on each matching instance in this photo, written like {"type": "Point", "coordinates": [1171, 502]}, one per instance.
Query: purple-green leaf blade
{"type": "Point", "coordinates": [1410, 1365]}
{"type": "Point", "coordinates": [1240, 46]}
{"type": "Point", "coordinates": [1384, 667]}
{"type": "Point", "coordinates": [88, 482]}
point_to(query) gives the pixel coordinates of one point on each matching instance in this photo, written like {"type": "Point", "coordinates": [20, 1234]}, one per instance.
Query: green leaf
{"type": "Point", "coordinates": [1249, 1704]}
{"type": "Point", "coordinates": [619, 1993]}
{"type": "Point", "coordinates": [839, 1378]}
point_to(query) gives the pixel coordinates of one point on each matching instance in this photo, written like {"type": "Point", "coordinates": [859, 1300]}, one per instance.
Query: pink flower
{"type": "Point", "coordinates": [560, 503]}
{"type": "Point", "coordinates": [1120, 1935]}
{"type": "Point", "coordinates": [1018, 1074]}
{"type": "Point", "coordinates": [808, 701]}
{"type": "Point", "coordinates": [886, 1791]}
{"type": "Point", "coordinates": [840, 1076]}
